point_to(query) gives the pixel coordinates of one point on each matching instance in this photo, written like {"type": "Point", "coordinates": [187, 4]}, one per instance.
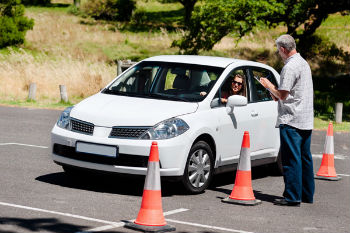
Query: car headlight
{"type": "Point", "coordinates": [166, 129]}
{"type": "Point", "coordinates": [64, 120]}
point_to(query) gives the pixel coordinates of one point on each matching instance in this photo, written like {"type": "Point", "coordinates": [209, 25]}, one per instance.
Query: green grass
{"type": "Point", "coordinates": [35, 104]}
{"type": "Point", "coordinates": [337, 28]}
{"type": "Point", "coordinates": [62, 8]}
{"type": "Point", "coordinates": [322, 124]}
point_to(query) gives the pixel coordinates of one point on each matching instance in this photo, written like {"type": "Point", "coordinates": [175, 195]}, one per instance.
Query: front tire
{"type": "Point", "coordinates": [199, 168]}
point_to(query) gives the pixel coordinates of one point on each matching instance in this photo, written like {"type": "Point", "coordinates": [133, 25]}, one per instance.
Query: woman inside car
{"type": "Point", "coordinates": [234, 87]}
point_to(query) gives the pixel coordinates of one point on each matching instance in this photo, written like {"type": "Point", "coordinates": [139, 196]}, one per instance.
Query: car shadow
{"type": "Point", "coordinates": [114, 184]}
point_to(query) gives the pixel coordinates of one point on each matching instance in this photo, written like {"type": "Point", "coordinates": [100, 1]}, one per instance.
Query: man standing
{"type": "Point", "coordinates": [295, 121]}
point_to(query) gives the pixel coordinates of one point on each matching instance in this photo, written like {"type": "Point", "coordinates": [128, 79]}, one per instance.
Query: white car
{"type": "Point", "coordinates": [174, 100]}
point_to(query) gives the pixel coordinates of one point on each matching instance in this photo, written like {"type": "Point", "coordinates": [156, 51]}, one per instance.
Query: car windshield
{"type": "Point", "coordinates": [164, 80]}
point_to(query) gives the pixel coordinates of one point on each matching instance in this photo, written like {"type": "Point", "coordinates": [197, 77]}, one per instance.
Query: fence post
{"type": "Point", "coordinates": [32, 91]}
{"type": "Point", "coordinates": [119, 67]}
{"type": "Point", "coordinates": [338, 112]}
{"type": "Point", "coordinates": [63, 92]}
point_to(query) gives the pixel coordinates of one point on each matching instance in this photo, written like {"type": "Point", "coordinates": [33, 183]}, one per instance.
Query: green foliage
{"type": "Point", "coordinates": [320, 46]}
{"type": "Point", "coordinates": [13, 23]}
{"type": "Point", "coordinates": [213, 20]}
{"type": "Point", "coordinates": [36, 2]}
{"type": "Point", "coordinates": [119, 10]}
{"type": "Point", "coordinates": [309, 14]}
{"type": "Point", "coordinates": [329, 91]}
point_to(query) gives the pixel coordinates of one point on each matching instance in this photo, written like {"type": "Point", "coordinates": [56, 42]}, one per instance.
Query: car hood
{"type": "Point", "coordinates": [112, 110]}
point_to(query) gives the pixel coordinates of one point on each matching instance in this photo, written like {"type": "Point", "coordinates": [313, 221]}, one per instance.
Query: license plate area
{"type": "Point", "coordinates": [97, 149]}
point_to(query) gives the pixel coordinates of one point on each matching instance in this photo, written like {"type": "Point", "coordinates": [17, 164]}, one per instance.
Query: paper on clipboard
{"type": "Point", "coordinates": [264, 87]}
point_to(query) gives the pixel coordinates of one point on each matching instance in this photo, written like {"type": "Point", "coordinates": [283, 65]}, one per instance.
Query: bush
{"type": "Point", "coordinates": [13, 23]}
{"type": "Point", "coordinates": [329, 91]}
{"type": "Point", "coordinates": [119, 10]}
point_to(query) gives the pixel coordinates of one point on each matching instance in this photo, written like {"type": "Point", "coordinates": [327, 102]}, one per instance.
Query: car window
{"type": "Point", "coordinates": [257, 92]}
{"type": "Point", "coordinates": [164, 80]}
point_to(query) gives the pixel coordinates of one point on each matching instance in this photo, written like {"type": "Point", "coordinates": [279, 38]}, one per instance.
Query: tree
{"type": "Point", "coordinates": [309, 14]}
{"type": "Point", "coordinates": [13, 23]}
{"type": "Point", "coordinates": [188, 6]}
{"type": "Point", "coordinates": [215, 19]}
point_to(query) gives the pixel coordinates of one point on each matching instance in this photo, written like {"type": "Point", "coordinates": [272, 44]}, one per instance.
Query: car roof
{"type": "Point", "coordinates": [193, 59]}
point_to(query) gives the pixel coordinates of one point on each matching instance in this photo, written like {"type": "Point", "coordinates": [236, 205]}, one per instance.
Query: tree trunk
{"type": "Point", "coordinates": [77, 3]}
{"type": "Point", "coordinates": [189, 6]}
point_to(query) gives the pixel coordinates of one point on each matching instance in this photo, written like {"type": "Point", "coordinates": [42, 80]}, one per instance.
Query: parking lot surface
{"type": "Point", "coordinates": [37, 196]}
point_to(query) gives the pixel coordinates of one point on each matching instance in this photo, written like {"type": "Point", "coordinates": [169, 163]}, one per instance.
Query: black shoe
{"type": "Point", "coordinates": [283, 202]}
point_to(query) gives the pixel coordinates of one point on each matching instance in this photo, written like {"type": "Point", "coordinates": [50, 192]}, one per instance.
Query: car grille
{"type": "Point", "coordinates": [127, 132]}
{"type": "Point", "coordinates": [121, 160]}
{"type": "Point", "coordinates": [82, 126]}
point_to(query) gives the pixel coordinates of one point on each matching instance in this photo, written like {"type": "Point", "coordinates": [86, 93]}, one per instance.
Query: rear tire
{"type": "Point", "coordinates": [199, 168]}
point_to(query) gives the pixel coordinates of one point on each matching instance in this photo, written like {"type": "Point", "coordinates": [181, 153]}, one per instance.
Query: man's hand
{"type": "Point", "coordinates": [275, 93]}
{"type": "Point", "coordinates": [266, 83]}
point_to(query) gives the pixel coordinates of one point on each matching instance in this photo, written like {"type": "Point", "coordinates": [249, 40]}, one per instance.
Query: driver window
{"type": "Point", "coordinates": [234, 84]}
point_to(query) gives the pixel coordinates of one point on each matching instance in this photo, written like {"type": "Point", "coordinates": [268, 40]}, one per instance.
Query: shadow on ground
{"type": "Point", "coordinates": [39, 224]}
{"type": "Point", "coordinates": [133, 185]}
{"type": "Point", "coordinates": [228, 178]}
{"type": "Point", "coordinates": [115, 184]}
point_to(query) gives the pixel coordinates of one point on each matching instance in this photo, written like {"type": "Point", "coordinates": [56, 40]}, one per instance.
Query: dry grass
{"type": "Point", "coordinates": [61, 50]}
{"type": "Point", "coordinates": [82, 78]}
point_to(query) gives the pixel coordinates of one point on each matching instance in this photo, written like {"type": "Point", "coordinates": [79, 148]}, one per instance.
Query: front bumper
{"type": "Point", "coordinates": [133, 152]}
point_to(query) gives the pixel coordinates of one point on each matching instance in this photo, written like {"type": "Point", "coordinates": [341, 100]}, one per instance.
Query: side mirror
{"type": "Point", "coordinates": [215, 103]}
{"type": "Point", "coordinates": [235, 100]}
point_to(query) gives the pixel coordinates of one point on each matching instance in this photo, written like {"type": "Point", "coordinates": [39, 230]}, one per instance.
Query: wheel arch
{"type": "Point", "coordinates": [208, 139]}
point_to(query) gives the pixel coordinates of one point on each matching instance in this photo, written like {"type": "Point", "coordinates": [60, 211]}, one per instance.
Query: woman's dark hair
{"type": "Point", "coordinates": [227, 86]}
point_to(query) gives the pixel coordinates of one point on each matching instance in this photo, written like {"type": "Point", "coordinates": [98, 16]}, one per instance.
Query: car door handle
{"type": "Point", "coordinates": [254, 114]}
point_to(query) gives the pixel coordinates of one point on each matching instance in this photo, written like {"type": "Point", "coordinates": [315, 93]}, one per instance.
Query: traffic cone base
{"type": "Point", "coordinates": [241, 202]}
{"type": "Point", "coordinates": [155, 229]}
{"type": "Point", "coordinates": [331, 178]}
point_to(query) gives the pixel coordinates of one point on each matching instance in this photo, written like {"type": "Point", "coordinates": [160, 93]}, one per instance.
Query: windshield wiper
{"type": "Point", "coordinates": [168, 97]}
{"type": "Point", "coordinates": [115, 92]}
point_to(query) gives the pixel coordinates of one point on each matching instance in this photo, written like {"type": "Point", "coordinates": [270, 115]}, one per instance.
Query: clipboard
{"type": "Point", "coordinates": [263, 85]}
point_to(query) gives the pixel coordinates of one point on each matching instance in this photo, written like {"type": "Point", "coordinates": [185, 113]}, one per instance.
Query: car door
{"type": "Point", "coordinates": [231, 126]}
{"type": "Point", "coordinates": [263, 114]}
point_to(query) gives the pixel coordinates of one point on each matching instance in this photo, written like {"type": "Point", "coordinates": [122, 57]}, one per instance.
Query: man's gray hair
{"type": "Point", "coordinates": [286, 41]}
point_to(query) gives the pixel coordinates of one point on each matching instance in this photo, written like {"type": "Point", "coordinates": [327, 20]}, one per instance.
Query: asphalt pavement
{"type": "Point", "coordinates": [37, 196]}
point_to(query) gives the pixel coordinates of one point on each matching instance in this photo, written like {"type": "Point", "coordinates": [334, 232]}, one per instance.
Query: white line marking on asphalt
{"type": "Point", "coordinates": [343, 175]}
{"type": "Point", "coordinates": [341, 157]}
{"type": "Point", "coordinates": [207, 226]}
{"type": "Point", "coordinates": [58, 213]}
{"type": "Point", "coordinates": [121, 224]}
{"type": "Point", "coordinates": [21, 144]}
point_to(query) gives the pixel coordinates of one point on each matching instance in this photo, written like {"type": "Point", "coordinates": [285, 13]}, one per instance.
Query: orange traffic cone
{"type": "Point", "coordinates": [242, 192]}
{"type": "Point", "coordinates": [327, 169]}
{"type": "Point", "coordinates": [151, 217]}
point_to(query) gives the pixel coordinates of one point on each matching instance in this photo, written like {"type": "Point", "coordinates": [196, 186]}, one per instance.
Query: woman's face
{"type": "Point", "coordinates": [236, 84]}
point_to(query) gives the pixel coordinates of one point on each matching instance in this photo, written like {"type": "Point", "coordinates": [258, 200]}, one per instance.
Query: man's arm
{"type": "Point", "coordinates": [280, 94]}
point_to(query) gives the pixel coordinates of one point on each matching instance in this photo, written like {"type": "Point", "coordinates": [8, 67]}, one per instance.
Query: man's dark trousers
{"type": "Point", "coordinates": [297, 164]}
